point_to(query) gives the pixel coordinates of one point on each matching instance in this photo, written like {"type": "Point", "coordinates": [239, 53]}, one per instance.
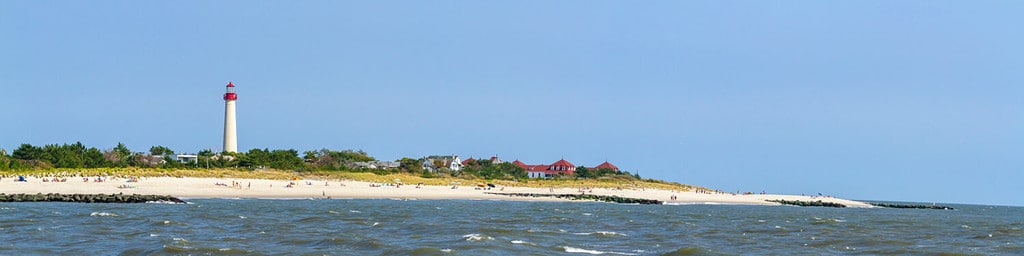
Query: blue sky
{"type": "Point", "coordinates": [906, 100]}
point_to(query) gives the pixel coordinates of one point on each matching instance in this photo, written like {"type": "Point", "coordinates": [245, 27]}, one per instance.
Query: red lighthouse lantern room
{"type": "Point", "coordinates": [230, 95]}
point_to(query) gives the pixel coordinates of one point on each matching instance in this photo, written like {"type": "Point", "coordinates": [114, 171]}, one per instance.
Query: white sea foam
{"type": "Point", "coordinates": [587, 214]}
{"type": "Point", "coordinates": [522, 242]}
{"type": "Point", "coordinates": [603, 233]}
{"type": "Point", "coordinates": [476, 237]}
{"type": "Point", "coordinates": [105, 214]}
{"type": "Point", "coordinates": [354, 211]}
{"type": "Point", "coordinates": [164, 202]}
{"type": "Point", "coordinates": [595, 252]}
{"type": "Point", "coordinates": [375, 224]}
{"type": "Point", "coordinates": [446, 250]}
{"type": "Point", "coordinates": [153, 235]}
{"type": "Point", "coordinates": [242, 217]}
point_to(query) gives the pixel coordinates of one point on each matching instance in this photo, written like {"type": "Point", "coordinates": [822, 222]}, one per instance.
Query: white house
{"type": "Point", "coordinates": [185, 158]}
{"type": "Point", "coordinates": [378, 164]}
{"type": "Point", "coordinates": [452, 162]}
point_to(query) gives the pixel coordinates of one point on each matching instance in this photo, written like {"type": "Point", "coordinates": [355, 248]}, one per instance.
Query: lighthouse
{"type": "Point", "coordinates": [230, 137]}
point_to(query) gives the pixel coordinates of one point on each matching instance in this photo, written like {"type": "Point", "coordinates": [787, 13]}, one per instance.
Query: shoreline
{"type": "Point", "coordinates": [230, 188]}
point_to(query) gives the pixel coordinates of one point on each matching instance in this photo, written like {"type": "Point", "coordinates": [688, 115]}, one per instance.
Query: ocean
{"type": "Point", "coordinates": [483, 227]}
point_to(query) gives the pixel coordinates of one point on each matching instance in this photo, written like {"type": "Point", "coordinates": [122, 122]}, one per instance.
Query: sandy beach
{"type": "Point", "coordinates": [340, 189]}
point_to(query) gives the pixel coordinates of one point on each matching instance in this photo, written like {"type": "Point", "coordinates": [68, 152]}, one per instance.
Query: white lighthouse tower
{"type": "Point", "coordinates": [230, 137]}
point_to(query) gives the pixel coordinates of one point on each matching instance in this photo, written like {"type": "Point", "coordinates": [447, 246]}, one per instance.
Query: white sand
{"type": "Point", "coordinates": [259, 188]}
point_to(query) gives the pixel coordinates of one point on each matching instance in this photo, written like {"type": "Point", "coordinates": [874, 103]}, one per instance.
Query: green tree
{"type": "Point", "coordinates": [584, 173]}
{"type": "Point", "coordinates": [160, 151]}
{"type": "Point", "coordinates": [255, 158]}
{"type": "Point", "coordinates": [28, 152]}
{"type": "Point", "coordinates": [603, 172]}
{"type": "Point", "coordinates": [410, 165]}
{"type": "Point", "coordinates": [285, 159]}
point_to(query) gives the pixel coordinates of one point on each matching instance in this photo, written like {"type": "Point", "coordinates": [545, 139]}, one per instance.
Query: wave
{"type": "Point", "coordinates": [476, 237]}
{"type": "Point", "coordinates": [602, 233]}
{"type": "Point", "coordinates": [523, 242]}
{"type": "Point", "coordinates": [165, 202]}
{"type": "Point", "coordinates": [104, 214]}
{"type": "Point", "coordinates": [595, 252]}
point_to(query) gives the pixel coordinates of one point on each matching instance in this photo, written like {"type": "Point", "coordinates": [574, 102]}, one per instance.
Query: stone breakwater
{"type": "Point", "coordinates": [612, 199]}
{"type": "Point", "coordinates": [913, 206]}
{"type": "Point", "coordinates": [88, 198]}
{"type": "Point", "coordinates": [818, 203]}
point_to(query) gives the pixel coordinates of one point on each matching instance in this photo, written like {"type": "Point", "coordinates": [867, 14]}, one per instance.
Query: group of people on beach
{"type": "Point", "coordinates": [376, 185]}
{"type": "Point", "coordinates": [706, 191]}
{"type": "Point", "coordinates": [234, 184]}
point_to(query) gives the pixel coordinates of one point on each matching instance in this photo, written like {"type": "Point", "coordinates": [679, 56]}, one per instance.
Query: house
{"type": "Point", "coordinates": [378, 165]}
{"type": "Point", "coordinates": [606, 165]}
{"type": "Point", "coordinates": [494, 160]}
{"type": "Point", "coordinates": [186, 158]}
{"type": "Point", "coordinates": [452, 162]}
{"type": "Point", "coordinates": [428, 165]}
{"type": "Point", "coordinates": [561, 167]}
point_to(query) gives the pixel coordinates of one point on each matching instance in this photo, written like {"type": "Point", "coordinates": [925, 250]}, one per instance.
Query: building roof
{"type": "Point", "coordinates": [465, 162]}
{"type": "Point", "coordinates": [519, 163]}
{"type": "Point", "coordinates": [563, 163]}
{"type": "Point", "coordinates": [231, 84]}
{"type": "Point", "coordinates": [606, 165]}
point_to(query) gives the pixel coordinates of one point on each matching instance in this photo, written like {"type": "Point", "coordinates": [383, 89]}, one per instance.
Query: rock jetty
{"type": "Point", "coordinates": [88, 198]}
{"type": "Point", "coordinates": [612, 199]}
{"type": "Point", "coordinates": [912, 206]}
{"type": "Point", "coordinates": [818, 203]}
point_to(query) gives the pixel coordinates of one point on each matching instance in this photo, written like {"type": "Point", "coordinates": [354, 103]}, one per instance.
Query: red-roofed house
{"type": "Point", "coordinates": [547, 170]}
{"type": "Point", "coordinates": [606, 165]}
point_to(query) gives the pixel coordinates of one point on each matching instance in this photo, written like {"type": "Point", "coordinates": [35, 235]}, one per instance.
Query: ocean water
{"type": "Point", "coordinates": [467, 227]}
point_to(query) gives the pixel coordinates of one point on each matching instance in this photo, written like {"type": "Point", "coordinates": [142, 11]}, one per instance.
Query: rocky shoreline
{"type": "Point", "coordinates": [611, 199]}
{"type": "Point", "coordinates": [89, 198]}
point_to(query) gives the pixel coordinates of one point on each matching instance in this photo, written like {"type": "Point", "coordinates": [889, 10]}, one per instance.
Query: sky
{"type": "Point", "coordinates": [873, 100]}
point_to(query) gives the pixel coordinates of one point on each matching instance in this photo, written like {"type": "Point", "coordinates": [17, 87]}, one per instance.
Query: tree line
{"type": "Point", "coordinates": [77, 155]}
